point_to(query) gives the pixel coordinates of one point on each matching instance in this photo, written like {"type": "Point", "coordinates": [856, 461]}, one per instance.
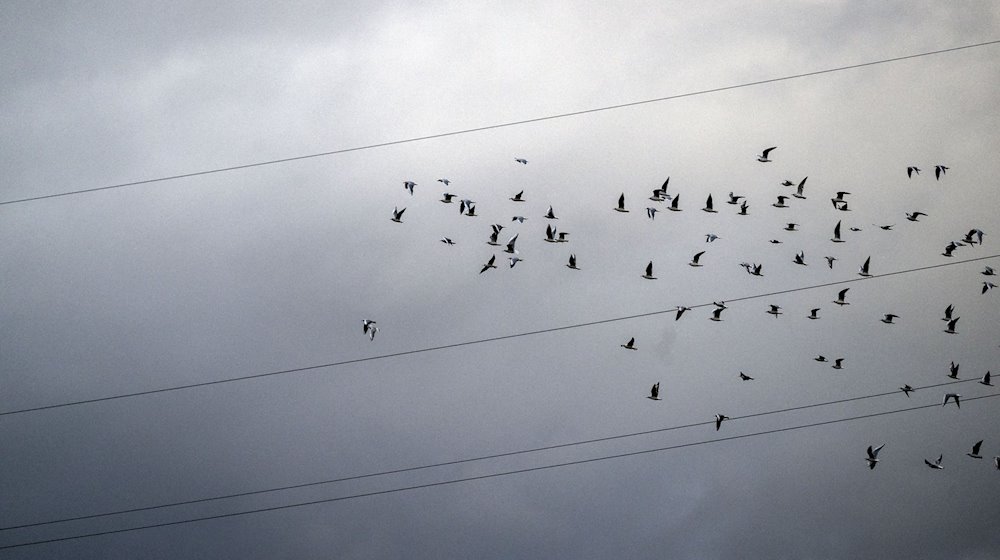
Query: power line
{"type": "Point", "coordinates": [481, 477]}
{"type": "Point", "coordinates": [501, 125]}
{"type": "Point", "coordinates": [463, 461]}
{"type": "Point", "coordinates": [473, 342]}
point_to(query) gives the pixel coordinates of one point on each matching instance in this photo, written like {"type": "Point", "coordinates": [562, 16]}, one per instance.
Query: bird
{"type": "Point", "coordinates": [445, 181]}
{"type": "Point", "coordinates": [820, 358]}
{"type": "Point", "coordinates": [939, 170]}
{"type": "Point", "coordinates": [996, 462]}
{"type": "Point", "coordinates": [786, 183]}
{"type": "Point", "coordinates": [369, 328]}
{"type": "Point", "coordinates": [840, 205]}
{"type": "Point", "coordinates": [791, 227]}
{"type": "Point", "coordinates": [911, 170]}
{"type": "Point", "coordinates": [906, 389]}
{"type": "Point", "coordinates": [888, 318]}
{"type": "Point", "coordinates": [954, 396]}
{"type": "Point", "coordinates": [514, 261]}
{"type": "Point", "coordinates": [519, 197]}
{"type": "Point", "coordinates": [855, 229]}
{"type": "Point", "coordinates": [518, 219]}
{"type": "Point", "coordinates": [953, 370]}
{"type": "Point", "coordinates": [654, 392]}
{"type": "Point", "coordinates": [947, 312]}
{"type": "Point", "coordinates": [651, 213]}
{"type": "Point", "coordinates": [694, 259]}
{"type": "Point", "coordinates": [986, 380]}
{"type": "Point", "coordinates": [913, 216]}
{"type": "Point", "coordinates": [813, 313]}
{"type": "Point", "coordinates": [447, 241]}
{"type": "Point", "coordinates": [472, 210]}
{"type": "Point", "coordinates": [836, 233]}
{"type": "Point", "coordinates": [493, 237]}
{"type": "Point", "coordinates": [718, 420]}
{"type": "Point", "coordinates": [680, 311]}
{"type": "Point", "coordinates": [745, 377]}
{"type": "Point", "coordinates": [840, 196]}
{"type": "Point", "coordinates": [562, 237]}
{"type": "Point", "coordinates": [550, 233]}
{"type": "Point", "coordinates": [800, 258]}
{"type": "Point", "coordinates": [838, 363]}
{"type": "Point", "coordinates": [988, 271]}
{"type": "Point", "coordinates": [781, 202]}
{"type": "Point", "coordinates": [710, 237]}
{"type": "Point", "coordinates": [987, 286]}
{"type": "Point", "coordinates": [446, 197]}
{"type": "Point", "coordinates": [572, 262]}
{"type": "Point", "coordinates": [510, 245]}
{"type": "Point", "coordinates": [743, 208]}
{"type": "Point", "coordinates": [630, 345]}
{"type": "Point", "coordinates": [649, 272]}
{"type": "Point", "coordinates": [935, 464]}
{"type": "Point", "coordinates": [829, 261]}
{"type": "Point", "coordinates": [659, 195]}
{"type": "Point", "coordinates": [763, 157]}
{"type": "Point", "coordinates": [840, 297]}
{"type": "Point", "coordinates": [951, 326]}
{"type": "Point", "coordinates": [975, 450]}
{"type": "Point", "coordinates": [397, 215]}
{"type": "Point", "coordinates": [674, 204]}
{"type": "Point", "coordinates": [974, 232]}
{"type": "Point", "coordinates": [489, 264]}
{"type": "Point", "coordinates": [774, 310]}
{"type": "Point", "coordinates": [753, 269]}
{"type": "Point", "coordinates": [408, 186]}
{"type": "Point", "coordinates": [550, 214]}
{"type": "Point", "coordinates": [799, 189]}
{"type": "Point", "coordinates": [886, 228]}
{"type": "Point", "coordinates": [522, 161]}
{"type": "Point", "coordinates": [873, 456]}
{"type": "Point", "coordinates": [621, 204]}
{"type": "Point", "coordinates": [717, 314]}
{"type": "Point", "coordinates": [464, 204]}
{"type": "Point", "coordinates": [950, 249]}
{"type": "Point", "coordinates": [708, 205]}
{"type": "Point", "coordinates": [863, 271]}
{"type": "Point", "coordinates": [734, 199]}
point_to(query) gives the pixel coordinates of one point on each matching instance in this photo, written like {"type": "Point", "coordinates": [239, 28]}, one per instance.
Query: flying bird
{"type": "Point", "coordinates": [680, 311]}
{"type": "Point", "coordinates": [914, 216]}
{"type": "Point", "coordinates": [510, 245]}
{"type": "Point", "coordinates": [445, 181]}
{"type": "Point", "coordinates": [734, 199]}
{"type": "Point", "coordinates": [718, 420]}
{"type": "Point", "coordinates": [800, 258]}
{"type": "Point", "coordinates": [397, 215]}
{"type": "Point", "coordinates": [717, 314]}
{"type": "Point", "coordinates": [836, 233]}
{"type": "Point", "coordinates": [986, 380]}
{"type": "Point", "coordinates": [935, 464]}
{"type": "Point", "coordinates": [464, 204]}
{"type": "Point", "coordinates": [518, 219]}
{"type": "Point", "coordinates": [838, 363]}
{"type": "Point", "coordinates": [550, 233]}
{"type": "Point", "coordinates": [630, 345]}
{"type": "Point", "coordinates": [953, 370]}
{"type": "Point", "coordinates": [621, 204]}
{"type": "Point", "coordinates": [763, 157]}
{"type": "Point", "coordinates": [814, 313]}
{"type": "Point", "coordinates": [829, 261]}
{"type": "Point", "coordinates": [786, 183]}
{"type": "Point", "coordinates": [519, 197]}
{"type": "Point", "coordinates": [950, 249]}
{"type": "Point", "coordinates": [873, 456]}
{"type": "Point", "coordinates": [906, 389]}
{"type": "Point", "coordinates": [743, 208]}
{"type": "Point", "coordinates": [710, 237]}
{"type": "Point", "coordinates": [694, 259]}
{"type": "Point", "coordinates": [888, 318]}
{"type": "Point", "coordinates": [446, 197]}
{"type": "Point", "coordinates": [939, 171]}
{"type": "Point", "coordinates": [781, 202]}
{"type": "Point", "coordinates": [651, 213]}
{"type": "Point", "coordinates": [745, 377]}
{"type": "Point", "coordinates": [522, 161]}
{"type": "Point", "coordinates": [654, 393]}
{"type": "Point", "coordinates": [863, 271]}
{"type": "Point", "coordinates": [774, 310]}
{"type": "Point", "coordinates": [886, 228]}
{"type": "Point", "coordinates": [708, 206]}
{"type": "Point", "coordinates": [799, 189]}
{"type": "Point", "coordinates": [562, 237]}
{"type": "Point", "coordinates": [911, 170]}
{"type": "Point", "coordinates": [674, 204]}
{"type": "Point", "coordinates": [791, 227]}
{"type": "Point", "coordinates": [369, 328]}
{"type": "Point", "coordinates": [978, 233]}
{"type": "Point", "coordinates": [987, 286]}
{"type": "Point", "coordinates": [840, 297]}
{"type": "Point", "coordinates": [820, 358]}
{"type": "Point", "coordinates": [550, 214]}
{"type": "Point", "coordinates": [447, 241]}
{"type": "Point", "coordinates": [489, 264]}
{"type": "Point", "coordinates": [572, 262]}
{"type": "Point", "coordinates": [988, 271]}
{"type": "Point", "coordinates": [514, 261]}
{"type": "Point", "coordinates": [953, 396]}
{"type": "Point", "coordinates": [975, 450]}
{"type": "Point", "coordinates": [408, 186]}
{"type": "Point", "coordinates": [947, 312]}
{"type": "Point", "coordinates": [649, 272]}
{"type": "Point", "coordinates": [951, 326]}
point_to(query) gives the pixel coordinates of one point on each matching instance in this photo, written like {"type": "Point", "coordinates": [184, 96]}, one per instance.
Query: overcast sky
{"type": "Point", "coordinates": [274, 267]}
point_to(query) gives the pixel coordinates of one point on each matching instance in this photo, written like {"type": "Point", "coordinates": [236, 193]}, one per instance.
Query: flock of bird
{"type": "Point", "coordinates": [661, 194]}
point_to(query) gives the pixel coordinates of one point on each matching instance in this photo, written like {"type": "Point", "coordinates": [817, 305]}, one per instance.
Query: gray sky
{"type": "Point", "coordinates": [271, 268]}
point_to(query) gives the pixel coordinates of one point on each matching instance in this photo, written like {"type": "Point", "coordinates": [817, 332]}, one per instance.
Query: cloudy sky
{"type": "Point", "coordinates": [270, 268]}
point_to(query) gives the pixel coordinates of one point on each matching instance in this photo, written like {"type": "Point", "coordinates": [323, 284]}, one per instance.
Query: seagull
{"type": "Point", "coordinates": [743, 208]}
{"type": "Point", "coordinates": [493, 237]}
{"type": "Point", "coordinates": [838, 363]}
{"type": "Point", "coordinates": [397, 215]}
{"type": "Point", "coordinates": [979, 235]}
{"type": "Point", "coordinates": [472, 210]}
{"type": "Point", "coordinates": [888, 318]}
{"type": "Point", "coordinates": [630, 345]}
{"type": "Point", "coordinates": [514, 260]}
{"type": "Point", "coordinates": [996, 462]}
{"type": "Point", "coordinates": [447, 241]}
{"type": "Point", "coordinates": [708, 206]}
{"type": "Point", "coordinates": [763, 155]}
{"type": "Point", "coordinates": [510, 245]}
{"type": "Point", "coordinates": [911, 170]}
{"type": "Point", "coordinates": [836, 233]}
{"type": "Point", "coordinates": [950, 249]}
{"type": "Point", "coordinates": [518, 219]}
{"type": "Point", "coordinates": [522, 161]}
{"type": "Point", "coordinates": [947, 312]}
{"type": "Point", "coordinates": [674, 204]}
{"type": "Point", "coordinates": [975, 450]}
{"type": "Point", "coordinates": [710, 237]}
{"type": "Point", "coordinates": [840, 205]}
{"type": "Point", "coordinates": [791, 227]}
{"type": "Point", "coordinates": [813, 313]}
{"type": "Point", "coordinates": [935, 464]}
{"type": "Point", "coordinates": [659, 195]}
{"type": "Point", "coordinates": [781, 202]}
{"type": "Point", "coordinates": [939, 170]}
{"type": "Point", "coordinates": [988, 271]}
{"type": "Point", "coordinates": [953, 370]}
{"type": "Point", "coordinates": [855, 229]}
{"type": "Point", "coordinates": [464, 204]}
{"type": "Point", "coordinates": [718, 420]}
{"type": "Point", "coordinates": [649, 272]}
{"type": "Point", "coordinates": [886, 228]}
{"type": "Point", "coordinates": [694, 259]}
{"type": "Point", "coordinates": [774, 310]}
{"type": "Point", "coordinates": [800, 258]}
{"type": "Point", "coordinates": [654, 393]}
{"type": "Point", "coordinates": [786, 183]}
{"type": "Point", "coordinates": [906, 389]}
{"type": "Point", "coordinates": [572, 262]}
{"type": "Point", "coordinates": [840, 297]}
{"type": "Point", "coordinates": [986, 380]}
{"type": "Point", "coordinates": [951, 326]}
{"type": "Point", "coordinates": [717, 314]}
{"type": "Point", "coordinates": [680, 311]}
{"type": "Point", "coordinates": [753, 269]}
{"type": "Point", "coordinates": [550, 214]}
{"type": "Point", "coordinates": [621, 204]}
{"type": "Point", "coordinates": [550, 233]}
{"type": "Point", "coordinates": [489, 264]}
{"type": "Point", "coordinates": [734, 199]}
{"type": "Point", "coordinates": [954, 396]}
{"type": "Point", "coordinates": [863, 271]}
{"type": "Point", "coordinates": [445, 181]}
{"type": "Point", "coordinates": [913, 216]}
{"type": "Point", "coordinates": [650, 213]}
{"type": "Point", "coordinates": [799, 189]}
{"type": "Point", "coordinates": [446, 197]}
{"type": "Point", "coordinates": [562, 237]}
{"type": "Point", "coordinates": [987, 286]}
{"type": "Point", "coordinates": [745, 377]}
{"type": "Point", "coordinates": [820, 358]}
{"type": "Point", "coordinates": [519, 197]}
{"type": "Point", "coordinates": [829, 261]}
{"type": "Point", "coordinates": [369, 328]}
{"type": "Point", "coordinates": [840, 196]}
{"type": "Point", "coordinates": [873, 456]}
{"type": "Point", "coordinates": [408, 186]}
